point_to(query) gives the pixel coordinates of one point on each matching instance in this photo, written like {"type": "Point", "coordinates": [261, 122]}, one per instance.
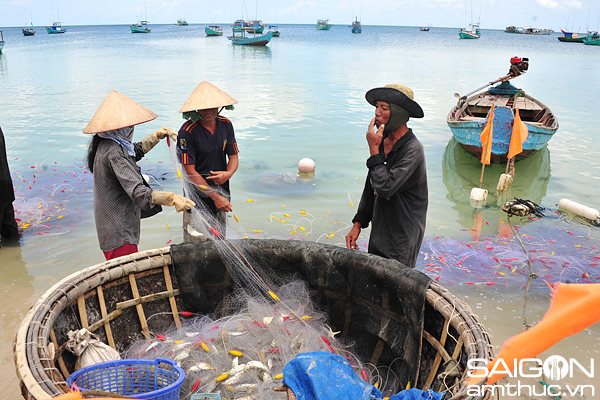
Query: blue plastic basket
{"type": "Point", "coordinates": [158, 379]}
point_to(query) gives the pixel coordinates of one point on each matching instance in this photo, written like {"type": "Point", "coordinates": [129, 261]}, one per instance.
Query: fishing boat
{"type": "Point", "coordinates": [140, 27]}
{"type": "Point", "coordinates": [256, 26]}
{"type": "Point", "coordinates": [1, 41]}
{"type": "Point", "coordinates": [28, 31]}
{"type": "Point", "coordinates": [469, 116]}
{"type": "Point", "coordinates": [239, 25]}
{"type": "Point", "coordinates": [213, 30]}
{"type": "Point", "coordinates": [472, 32]}
{"type": "Point", "coordinates": [244, 39]}
{"type": "Point", "coordinates": [182, 22]}
{"type": "Point", "coordinates": [323, 25]}
{"type": "Point", "coordinates": [273, 29]}
{"type": "Point", "coordinates": [55, 28]}
{"type": "Point", "coordinates": [424, 29]}
{"type": "Point", "coordinates": [356, 26]}
{"type": "Point", "coordinates": [530, 30]}
{"type": "Point", "coordinates": [592, 38]}
{"type": "Point", "coordinates": [401, 321]}
{"type": "Point", "coordinates": [512, 29]}
{"type": "Point", "coordinates": [570, 37]}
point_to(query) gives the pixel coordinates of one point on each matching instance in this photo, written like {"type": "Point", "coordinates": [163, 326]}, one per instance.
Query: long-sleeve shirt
{"type": "Point", "coordinates": [395, 200]}
{"type": "Point", "coordinates": [120, 194]}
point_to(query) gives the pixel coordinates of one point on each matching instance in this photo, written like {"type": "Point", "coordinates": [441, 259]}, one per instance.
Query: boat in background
{"type": "Point", "coordinates": [512, 29]}
{"type": "Point", "coordinates": [140, 27]}
{"type": "Point", "coordinates": [28, 31]}
{"type": "Point", "coordinates": [472, 32]}
{"type": "Point", "coordinates": [182, 22]}
{"type": "Point", "coordinates": [255, 26]}
{"type": "Point", "coordinates": [56, 28]}
{"type": "Point", "coordinates": [424, 29]}
{"type": "Point", "coordinates": [323, 25]}
{"type": "Point", "coordinates": [356, 26]}
{"type": "Point", "coordinates": [469, 116]}
{"type": "Point", "coordinates": [244, 39]}
{"type": "Point", "coordinates": [530, 30]}
{"type": "Point", "coordinates": [1, 41]}
{"type": "Point", "coordinates": [592, 38]}
{"type": "Point", "coordinates": [273, 29]}
{"type": "Point", "coordinates": [571, 37]}
{"type": "Point", "coordinates": [213, 30]}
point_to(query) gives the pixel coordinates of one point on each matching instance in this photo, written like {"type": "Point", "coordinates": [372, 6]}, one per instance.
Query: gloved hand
{"type": "Point", "coordinates": [152, 139]}
{"type": "Point", "coordinates": [171, 199]}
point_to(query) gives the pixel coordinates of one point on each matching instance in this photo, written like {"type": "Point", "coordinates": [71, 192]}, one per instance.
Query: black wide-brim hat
{"type": "Point", "coordinates": [397, 94]}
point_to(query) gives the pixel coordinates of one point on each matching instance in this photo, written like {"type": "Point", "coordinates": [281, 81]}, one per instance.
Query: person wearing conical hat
{"type": "Point", "coordinates": [121, 195]}
{"type": "Point", "coordinates": [395, 196]}
{"type": "Point", "coordinates": [208, 151]}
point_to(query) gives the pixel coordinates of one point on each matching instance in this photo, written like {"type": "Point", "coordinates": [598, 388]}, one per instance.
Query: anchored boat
{"type": "Point", "coordinates": [469, 116]}
{"type": "Point", "coordinates": [213, 30]}
{"type": "Point", "coordinates": [472, 32]}
{"type": "Point", "coordinates": [323, 25]}
{"type": "Point", "coordinates": [244, 39]}
{"type": "Point", "coordinates": [401, 321]}
{"type": "Point", "coordinates": [55, 28]}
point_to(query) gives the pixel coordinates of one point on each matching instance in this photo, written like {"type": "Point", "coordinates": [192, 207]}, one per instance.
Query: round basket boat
{"type": "Point", "coordinates": [371, 300]}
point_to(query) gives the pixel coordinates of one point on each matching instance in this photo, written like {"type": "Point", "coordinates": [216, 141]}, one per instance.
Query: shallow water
{"type": "Point", "coordinates": [301, 96]}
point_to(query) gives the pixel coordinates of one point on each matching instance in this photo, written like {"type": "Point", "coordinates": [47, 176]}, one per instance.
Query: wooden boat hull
{"type": "Point", "coordinates": [590, 41]}
{"type": "Point", "coordinates": [251, 41]}
{"type": "Point", "coordinates": [571, 39]}
{"type": "Point", "coordinates": [51, 30]}
{"type": "Point", "coordinates": [468, 35]}
{"type": "Point", "coordinates": [323, 28]}
{"type": "Point", "coordinates": [28, 31]}
{"type": "Point", "coordinates": [276, 34]}
{"type": "Point", "coordinates": [124, 299]}
{"type": "Point", "coordinates": [211, 32]}
{"type": "Point", "coordinates": [136, 29]}
{"type": "Point", "coordinates": [467, 129]}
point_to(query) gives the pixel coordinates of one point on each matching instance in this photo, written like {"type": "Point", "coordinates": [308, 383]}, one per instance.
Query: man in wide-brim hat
{"type": "Point", "coordinates": [395, 196]}
{"type": "Point", "coordinates": [208, 152]}
{"type": "Point", "coordinates": [121, 195]}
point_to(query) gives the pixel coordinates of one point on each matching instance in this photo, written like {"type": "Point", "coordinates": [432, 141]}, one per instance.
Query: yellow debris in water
{"type": "Point", "coordinates": [351, 204]}
{"type": "Point", "coordinates": [302, 212]}
{"type": "Point", "coordinates": [306, 317]}
{"type": "Point", "coordinates": [236, 353]}
{"type": "Point", "coordinates": [41, 205]}
{"type": "Point", "coordinates": [278, 376]}
{"type": "Point", "coordinates": [276, 219]}
{"type": "Point", "coordinates": [236, 218]}
{"type": "Point", "coordinates": [286, 215]}
{"type": "Point", "coordinates": [301, 228]}
{"type": "Point", "coordinates": [178, 341]}
{"type": "Point", "coordinates": [221, 377]}
{"type": "Point", "coordinates": [294, 232]}
{"type": "Point", "coordinates": [283, 206]}
{"type": "Point", "coordinates": [62, 216]}
{"type": "Point", "coordinates": [48, 219]}
{"type": "Point", "coordinates": [205, 347]}
{"type": "Point", "coordinates": [245, 237]}
{"type": "Point", "coordinates": [283, 221]}
{"type": "Point", "coordinates": [249, 201]}
{"type": "Point", "coordinates": [552, 253]}
{"type": "Point", "coordinates": [577, 245]}
{"type": "Point", "coordinates": [273, 295]}
{"type": "Point", "coordinates": [502, 273]}
{"type": "Point", "coordinates": [257, 231]}
{"type": "Point", "coordinates": [178, 173]}
{"type": "Point", "coordinates": [167, 226]}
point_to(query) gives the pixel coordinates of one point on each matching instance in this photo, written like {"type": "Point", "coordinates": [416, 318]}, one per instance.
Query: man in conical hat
{"type": "Point", "coordinates": [121, 195]}
{"type": "Point", "coordinates": [208, 152]}
{"type": "Point", "coordinates": [395, 196]}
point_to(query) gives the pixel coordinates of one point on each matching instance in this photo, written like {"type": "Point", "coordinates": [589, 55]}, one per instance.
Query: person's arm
{"type": "Point", "coordinates": [220, 177]}
{"type": "Point", "coordinates": [388, 183]}
{"type": "Point", "coordinates": [221, 201]}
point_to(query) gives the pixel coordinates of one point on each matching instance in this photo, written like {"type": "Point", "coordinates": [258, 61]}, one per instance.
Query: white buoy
{"type": "Point", "coordinates": [306, 166]}
{"type": "Point", "coordinates": [579, 209]}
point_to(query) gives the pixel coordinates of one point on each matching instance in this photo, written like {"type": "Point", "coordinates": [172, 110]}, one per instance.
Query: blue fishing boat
{"type": "Point", "coordinates": [592, 38]}
{"type": "Point", "coordinates": [244, 39]}
{"type": "Point", "coordinates": [140, 27]}
{"type": "Point", "coordinates": [28, 31]}
{"type": "Point", "coordinates": [469, 116]}
{"type": "Point", "coordinates": [472, 32]}
{"type": "Point", "coordinates": [55, 28]}
{"type": "Point", "coordinates": [323, 25]}
{"type": "Point", "coordinates": [356, 26]}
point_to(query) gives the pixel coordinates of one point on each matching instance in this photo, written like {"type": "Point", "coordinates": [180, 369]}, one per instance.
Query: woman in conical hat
{"type": "Point", "coordinates": [121, 195]}
{"type": "Point", "coordinates": [209, 154]}
{"type": "Point", "coordinates": [395, 196]}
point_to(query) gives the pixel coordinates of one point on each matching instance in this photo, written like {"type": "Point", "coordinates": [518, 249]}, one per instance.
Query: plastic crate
{"type": "Point", "coordinates": [158, 379]}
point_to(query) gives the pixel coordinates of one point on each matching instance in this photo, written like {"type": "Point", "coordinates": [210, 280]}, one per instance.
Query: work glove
{"type": "Point", "coordinates": [171, 199]}
{"type": "Point", "coordinates": [152, 139]}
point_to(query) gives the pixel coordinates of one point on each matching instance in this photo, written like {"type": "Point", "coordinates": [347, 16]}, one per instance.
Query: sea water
{"type": "Point", "coordinates": [300, 96]}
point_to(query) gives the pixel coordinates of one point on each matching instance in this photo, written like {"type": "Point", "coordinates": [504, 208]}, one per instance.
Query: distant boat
{"type": "Point", "coordinates": [255, 26]}
{"type": "Point", "coordinates": [182, 22]}
{"type": "Point", "coordinates": [356, 26]}
{"type": "Point", "coordinates": [512, 29]}
{"type": "Point", "coordinates": [244, 39]}
{"type": "Point", "coordinates": [28, 31]}
{"type": "Point", "coordinates": [213, 30]}
{"type": "Point", "coordinates": [56, 28]}
{"type": "Point", "coordinates": [571, 37]}
{"type": "Point", "coordinates": [530, 30]}
{"type": "Point", "coordinates": [472, 32]}
{"type": "Point", "coordinates": [468, 117]}
{"type": "Point", "coordinates": [1, 41]}
{"type": "Point", "coordinates": [424, 29]}
{"type": "Point", "coordinates": [592, 38]}
{"type": "Point", "coordinates": [140, 27]}
{"type": "Point", "coordinates": [323, 25]}
{"type": "Point", "coordinates": [240, 24]}
{"type": "Point", "coordinates": [273, 29]}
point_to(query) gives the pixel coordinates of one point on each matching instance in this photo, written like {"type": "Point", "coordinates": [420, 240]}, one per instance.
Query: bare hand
{"type": "Point", "coordinates": [351, 238]}
{"type": "Point", "coordinates": [222, 203]}
{"type": "Point", "coordinates": [374, 139]}
{"type": "Point", "coordinates": [219, 177]}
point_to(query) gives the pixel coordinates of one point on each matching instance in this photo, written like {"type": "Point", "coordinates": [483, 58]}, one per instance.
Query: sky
{"type": "Point", "coordinates": [576, 15]}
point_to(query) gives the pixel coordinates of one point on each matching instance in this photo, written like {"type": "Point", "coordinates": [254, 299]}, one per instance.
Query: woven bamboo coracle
{"type": "Point", "coordinates": [133, 297]}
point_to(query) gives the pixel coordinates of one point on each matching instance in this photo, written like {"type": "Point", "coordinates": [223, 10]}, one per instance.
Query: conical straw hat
{"type": "Point", "coordinates": [206, 95]}
{"type": "Point", "coordinates": [118, 111]}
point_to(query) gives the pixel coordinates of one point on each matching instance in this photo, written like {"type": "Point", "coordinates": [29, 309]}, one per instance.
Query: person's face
{"type": "Point", "coordinates": [208, 114]}
{"type": "Point", "coordinates": [382, 113]}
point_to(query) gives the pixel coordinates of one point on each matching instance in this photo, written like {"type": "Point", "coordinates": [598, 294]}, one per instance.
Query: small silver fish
{"type": "Point", "coordinates": [201, 366]}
